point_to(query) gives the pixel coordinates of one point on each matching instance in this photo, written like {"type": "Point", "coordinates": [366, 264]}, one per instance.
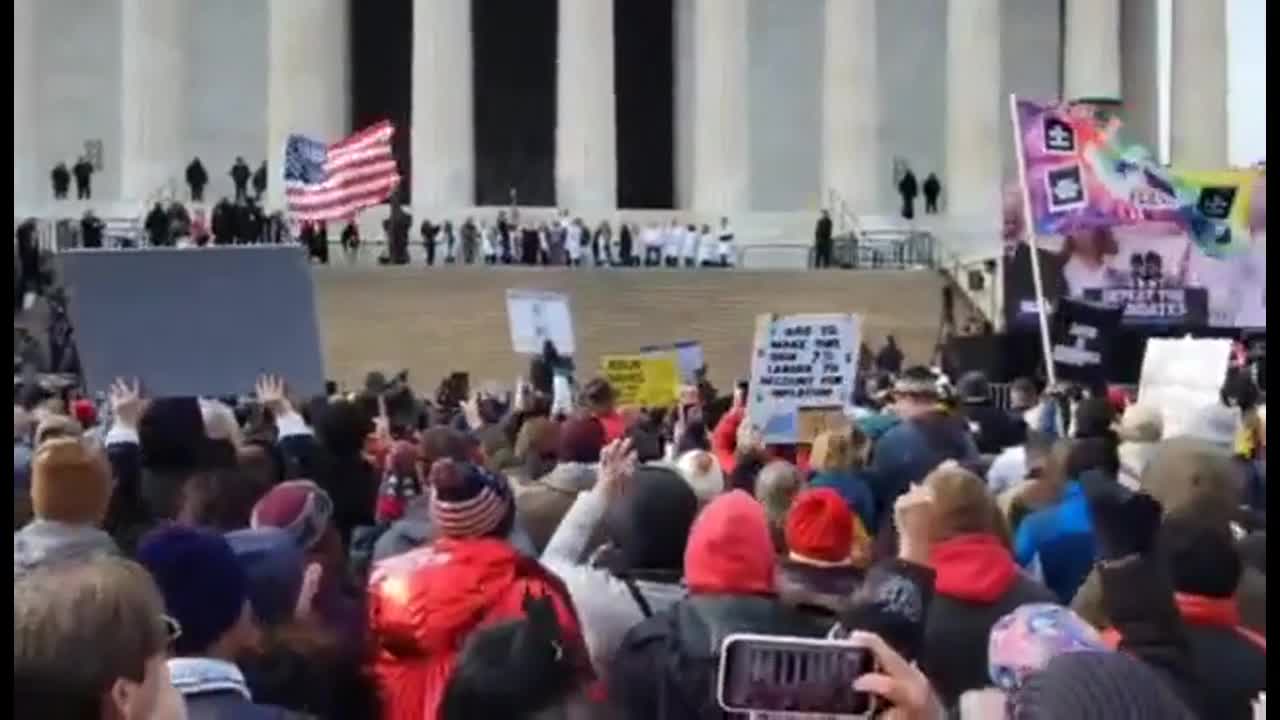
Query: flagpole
{"type": "Point", "coordinates": [1028, 221]}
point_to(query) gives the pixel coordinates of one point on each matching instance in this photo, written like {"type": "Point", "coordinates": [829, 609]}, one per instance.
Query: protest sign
{"type": "Point", "coordinates": [1182, 377]}
{"type": "Point", "coordinates": [537, 316]}
{"type": "Point", "coordinates": [801, 362]}
{"type": "Point", "coordinates": [642, 380]}
{"type": "Point", "coordinates": [1082, 333]}
{"type": "Point", "coordinates": [195, 322]}
{"type": "Point", "coordinates": [688, 356]}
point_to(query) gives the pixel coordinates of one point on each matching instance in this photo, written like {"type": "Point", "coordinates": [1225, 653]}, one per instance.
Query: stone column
{"type": "Point", "coordinates": [586, 127]}
{"type": "Point", "coordinates": [974, 110]}
{"type": "Point", "coordinates": [308, 80]}
{"type": "Point", "coordinates": [720, 164]}
{"type": "Point", "coordinates": [153, 98]}
{"type": "Point", "coordinates": [1140, 72]}
{"type": "Point", "coordinates": [1091, 52]}
{"type": "Point", "coordinates": [442, 141]}
{"type": "Point", "coordinates": [1198, 114]}
{"type": "Point", "coordinates": [27, 182]}
{"type": "Point", "coordinates": [851, 106]}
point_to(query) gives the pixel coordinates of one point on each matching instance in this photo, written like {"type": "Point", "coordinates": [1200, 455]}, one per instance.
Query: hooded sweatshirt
{"type": "Point", "coordinates": [48, 541]}
{"type": "Point", "coordinates": [977, 583]}
{"type": "Point", "coordinates": [424, 604]}
{"type": "Point", "coordinates": [730, 550]}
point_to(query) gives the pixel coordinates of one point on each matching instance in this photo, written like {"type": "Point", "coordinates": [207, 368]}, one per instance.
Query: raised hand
{"type": "Point", "coordinates": [617, 466]}
{"type": "Point", "coordinates": [913, 514]}
{"type": "Point", "coordinates": [271, 393]}
{"type": "Point", "coordinates": [127, 403]}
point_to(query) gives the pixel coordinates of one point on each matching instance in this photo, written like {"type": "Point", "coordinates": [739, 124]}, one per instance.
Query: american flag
{"type": "Point", "coordinates": [333, 182]}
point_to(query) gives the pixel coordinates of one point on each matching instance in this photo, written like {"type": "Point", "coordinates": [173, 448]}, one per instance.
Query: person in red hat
{"type": "Point", "coordinates": [818, 574]}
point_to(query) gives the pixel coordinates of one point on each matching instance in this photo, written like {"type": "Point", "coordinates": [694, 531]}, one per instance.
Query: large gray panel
{"type": "Point", "coordinates": [1031, 55]}
{"type": "Point", "coordinates": [784, 46]}
{"type": "Point", "coordinates": [195, 322]}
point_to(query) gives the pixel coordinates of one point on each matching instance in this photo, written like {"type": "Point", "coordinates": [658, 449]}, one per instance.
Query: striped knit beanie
{"type": "Point", "coordinates": [468, 501]}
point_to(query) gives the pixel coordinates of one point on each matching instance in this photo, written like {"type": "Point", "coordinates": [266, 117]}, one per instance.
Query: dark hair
{"type": "Point", "coordinates": [1095, 453]}
{"type": "Point", "coordinates": [1202, 557]}
{"type": "Point", "coordinates": [515, 669]}
{"type": "Point", "coordinates": [79, 627]}
{"type": "Point", "coordinates": [222, 499]}
{"type": "Point", "coordinates": [343, 427]}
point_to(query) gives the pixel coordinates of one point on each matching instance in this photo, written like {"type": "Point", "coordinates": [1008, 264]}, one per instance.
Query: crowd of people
{"type": "Point", "coordinates": [487, 555]}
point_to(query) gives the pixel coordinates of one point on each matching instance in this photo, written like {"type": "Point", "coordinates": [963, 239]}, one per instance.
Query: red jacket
{"type": "Point", "coordinates": [424, 604]}
{"type": "Point", "coordinates": [724, 443]}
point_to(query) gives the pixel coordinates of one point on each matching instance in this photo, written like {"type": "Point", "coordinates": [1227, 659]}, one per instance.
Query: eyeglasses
{"type": "Point", "coordinates": [172, 628]}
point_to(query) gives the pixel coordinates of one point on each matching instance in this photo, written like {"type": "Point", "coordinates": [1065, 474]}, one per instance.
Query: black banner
{"type": "Point", "coordinates": [1081, 335]}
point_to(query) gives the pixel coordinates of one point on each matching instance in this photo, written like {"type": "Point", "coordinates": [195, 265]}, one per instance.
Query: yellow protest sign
{"type": "Point", "coordinates": [642, 380]}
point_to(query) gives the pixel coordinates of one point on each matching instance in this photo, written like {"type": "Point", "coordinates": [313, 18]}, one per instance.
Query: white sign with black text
{"type": "Point", "coordinates": [801, 362]}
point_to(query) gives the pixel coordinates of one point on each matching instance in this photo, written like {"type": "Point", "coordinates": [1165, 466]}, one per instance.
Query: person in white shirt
{"type": "Point", "coordinates": [488, 247]}
{"type": "Point", "coordinates": [691, 246]}
{"type": "Point", "coordinates": [651, 238]}
{"type": "Point", "coordinates": [672, 242]}
{"type": "Point", "coordinates": [573, 235]}
{"type": "Point", "coordinates": [725, 243]}
{"type": "Point", "coordinates": [707, 248]}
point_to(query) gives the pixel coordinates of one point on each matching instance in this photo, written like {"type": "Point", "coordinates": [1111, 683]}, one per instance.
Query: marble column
{"type": "Point", "coordinates": [1091, 52]}
{"type": "Point", "coordinates": [682, 18]}
{"type": "Point", "coordinates": [153, 99]}
{"type": "Point", "coordinates": [308, 80]}
{"type": "Point", "coordinates": [851, 106]}
{"type": "Point", "coordinates": [586, 126]}
{"type": "Point", "coordinates": [1198, 114]}
{"type": "Point", "coordinates": [1139, 72]}
{"type": "Point", "coordinates": [974, 110]}
{"type": "Point", "coordinates": [442, 140]}
{"type": "Point", "coordinates": [27, 183]}
{"type": "Point", "coordinates": [720, 176]}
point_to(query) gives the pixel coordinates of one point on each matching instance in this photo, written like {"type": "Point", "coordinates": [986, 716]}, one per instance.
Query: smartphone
{"type": "Point", "coordinates": [802, 677]}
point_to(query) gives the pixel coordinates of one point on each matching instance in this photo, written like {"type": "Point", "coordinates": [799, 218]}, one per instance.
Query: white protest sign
{"type": "Point", "coordinates": [802, 364]}
{"type": "Point", "coordinates": [1182, 377]}
{"type": "Point", "coordinates": [536, 316]}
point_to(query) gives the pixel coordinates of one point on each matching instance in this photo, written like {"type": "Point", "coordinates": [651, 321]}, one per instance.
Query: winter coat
{"type": "Point", "coordinates": [977, 583]}
{"type": "Point", "coordinates": [910, 450]}
{"type": "Point", "coordinates": [416, 529]}
{"type": "Point", "coordinates": [541, 505]}
{"type": "Point", "coordinates": [666, 667]}
{"type": "Point", "coordinates": [216, 690]}
{"type": "Point", "coordinates": [45, 542]}
{"type": "Point", "coordinates": [854, 486]}
{"type": "Point", "coordinates": [821, 591]}
{"type": "Point", "coordinates": [994, 429]}
{"type": "Point", "coordinates": [1230, 660]}
{"type": "Point", "coordinates": [1059, 540]}
{"type": "Point", "coordinates": [608, 605]}
{"type": "Point", "coordinates": [424, 604]}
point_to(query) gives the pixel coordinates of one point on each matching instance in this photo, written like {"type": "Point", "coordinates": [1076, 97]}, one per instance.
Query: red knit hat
{"type": "Point", "coordinates": [84, 412]}
{"type": "Point", "coordinates": [820, 526]}
{"type": "Point", "coordinates": [729, 549]}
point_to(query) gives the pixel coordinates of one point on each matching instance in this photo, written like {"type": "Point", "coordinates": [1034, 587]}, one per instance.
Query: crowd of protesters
{"type": "Point", "coordinates": [505, 554]}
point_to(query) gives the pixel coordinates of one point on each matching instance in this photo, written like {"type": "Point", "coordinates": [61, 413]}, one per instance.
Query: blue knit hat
{"type": "Point", "coordinates": [203, 585]}
{"type": "Point", "coordinates": [273, 565]}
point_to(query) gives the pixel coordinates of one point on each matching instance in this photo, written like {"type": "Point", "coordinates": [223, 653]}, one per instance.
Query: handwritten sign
{"type": "Point", "coordinates": [536, 317]}
{"type": "Point", "coordinates": [642, 380]}
{"type": "Point", "coordinates": [1182, 377]}
{"type": "Point", "coordinates": [801, 362]}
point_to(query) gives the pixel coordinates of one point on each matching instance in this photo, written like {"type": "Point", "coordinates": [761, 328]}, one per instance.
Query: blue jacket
{"type": "Point", "coordinates": [910, 450]}
{"type": "Point", "coordinates": [1060, 538]}
{"type": "Point", "coordinates": [853, 486]}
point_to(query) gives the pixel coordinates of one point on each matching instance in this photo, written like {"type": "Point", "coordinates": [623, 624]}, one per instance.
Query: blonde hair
{"type": "Point", "coordinates": [833, 450]}
{"type": "Point", "coordinates": [962, 505]}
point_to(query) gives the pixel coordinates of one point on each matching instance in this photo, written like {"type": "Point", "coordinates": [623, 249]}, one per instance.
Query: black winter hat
{"type": "Point", "coordinates": [1108, 685]}
{"type": "Point", "coordinates": [649, 524]}
{"type": "Point", "coordinates": [1202, 558]}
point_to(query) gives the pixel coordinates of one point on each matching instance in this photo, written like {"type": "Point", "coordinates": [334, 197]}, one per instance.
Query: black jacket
{"type": "Point", "coordinates": [995, 429]}
{"type": "Point", "coordinates": [666, 667]}
{"type": "Point", "coordinates": [240, 174]}
{"type": "Point", "coordinates": [197, 176]}
{"type": "Point", "coordinates": [822, 233]}
{"type": "Point", "coordinates": [820, 591]}
{"type": "Point", "coordinates": [83, 171]}
{"type": "Point", "coordinates": [91, 232]}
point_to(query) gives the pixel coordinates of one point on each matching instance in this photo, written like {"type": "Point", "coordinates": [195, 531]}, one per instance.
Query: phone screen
{"type": "Point", "coordinates": [793, 676]}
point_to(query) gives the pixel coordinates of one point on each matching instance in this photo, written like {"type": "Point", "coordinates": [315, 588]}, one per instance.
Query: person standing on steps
{"type": "Point", "coordinates": [83, 171]}
{"type": "Point", "coordinates": [260, 181]}
{"type": "Point", "coordinates": [240, 178]}
{"type": "Point", "coordinates": [197, 179]}
{"type": "Point", "coordinates": [61, 178]}
{"type": "Point", "coordinates": [822, 241]}
{"type": "Point", "coordinates": [908, 188]}
{"type": "Point", "coordinates": [932, 189]}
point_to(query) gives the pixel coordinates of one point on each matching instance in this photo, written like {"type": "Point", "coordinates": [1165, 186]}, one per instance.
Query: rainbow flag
{"type": "Point", "coordinates": [1081, 172]}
